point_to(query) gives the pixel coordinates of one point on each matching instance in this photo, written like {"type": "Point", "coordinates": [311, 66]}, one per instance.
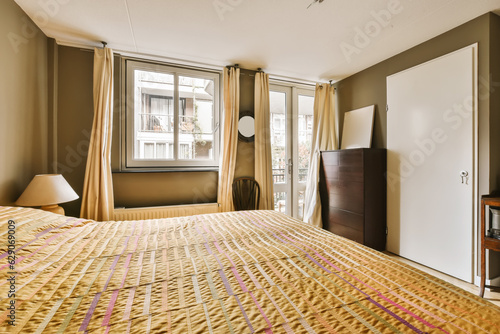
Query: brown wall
{"type": "Point", "coordinates": [493, 91]}
{"type": "Point", "coordinates": [494, 94]}
{"type": "Point", "coordinates": [24, 147]}
{"type": "Point", "coordinates": [140, 189]}
{"type": "Point", "coordinates": [368, 87]}
{"type": "Point", "coordinates": [245, 157]}
{"type": "Point", "coordinates": [168, 188]}
{"type": "Point", "coordinates": [74, 104]}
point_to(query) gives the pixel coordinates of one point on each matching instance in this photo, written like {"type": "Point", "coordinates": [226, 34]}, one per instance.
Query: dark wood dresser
{"type": "Point", "coordinates": [353, 192]}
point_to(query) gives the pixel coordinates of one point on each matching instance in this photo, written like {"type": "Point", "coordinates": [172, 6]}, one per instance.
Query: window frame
{"type": "Point", "coordinates": [128, 162]}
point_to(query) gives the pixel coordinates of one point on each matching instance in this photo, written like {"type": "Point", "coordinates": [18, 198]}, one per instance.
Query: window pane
{"type": "Point", "coordinates": [154, 112]}
{"type": "Point", "coordinates": [278, 135]}
{"type": "Point", "coordinates": [170, 106]}
{"type": "Point", "coordinates": [149, 151]}
{"type": "Point", "coordinates": [170, 153]}
{"type": "Point", "coordinates": [306, 111]}
{"type": "Point", "coordinates": [196, 118]}
{"type": "Point", "coordinates": [280, 202]}
{"type": "Point", "coordinates": [184, 152]}
{"type": "Point", "coordinates": [161, 151]}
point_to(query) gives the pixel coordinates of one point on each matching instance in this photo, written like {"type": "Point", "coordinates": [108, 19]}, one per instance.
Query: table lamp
{"type": "Point", "coordinates": [47, 191]}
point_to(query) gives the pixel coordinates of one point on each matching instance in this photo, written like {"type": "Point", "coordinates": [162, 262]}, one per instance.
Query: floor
{"type": "Point", "coordinates": [492, 296]}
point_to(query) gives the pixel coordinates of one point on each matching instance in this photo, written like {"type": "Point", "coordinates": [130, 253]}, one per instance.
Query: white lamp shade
{"type": "Point", "coordinates": [47, 189]}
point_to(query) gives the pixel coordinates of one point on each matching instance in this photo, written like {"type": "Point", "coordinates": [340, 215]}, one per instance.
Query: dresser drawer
{"type": "Point", "coordinates": [333, 173]}
{"type": "Point", "coordinates": [346, 218]}
{"type": "Point", "coordinates": [347, 232]}
{"type": "Point", "coordinates": [345, 195]}
{"type": "Point", "coordinates": [350, 173]}
{"type": "Point", "coordinates": [353, 157]}
{"type": "Point", "coordinates": [330, 158]}
{"type": "Point", "coordinates": [345, 173]}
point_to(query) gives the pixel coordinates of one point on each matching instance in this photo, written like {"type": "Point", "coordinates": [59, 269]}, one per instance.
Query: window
{"type": "Point", "coordinates": [171, 117]}
{"type": "Point", "coordinates": [154, 151]}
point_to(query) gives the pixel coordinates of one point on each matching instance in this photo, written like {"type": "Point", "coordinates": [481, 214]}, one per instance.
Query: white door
{"type": "Point", "coordinates": [291, 132]}
{"type": "Point", "coordinates": [430, 163]}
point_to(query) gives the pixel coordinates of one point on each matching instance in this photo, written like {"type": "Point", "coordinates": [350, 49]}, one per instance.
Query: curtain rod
{"type": "Point", "coordinates": [293, 80]}
{"type": "Point", "coordinates": [178, 61]}
{"type": "Point", "coordinates": [330, 82]}
{"type": "Point", "coordinates": [259, 70]}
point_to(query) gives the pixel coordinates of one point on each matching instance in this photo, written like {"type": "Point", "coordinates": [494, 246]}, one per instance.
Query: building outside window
{"type": "Point", "coordinates": [172, 117]}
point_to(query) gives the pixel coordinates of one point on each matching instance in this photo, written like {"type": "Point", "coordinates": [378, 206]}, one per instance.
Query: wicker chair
{"type": "Point", "coordinates": [246, 194]}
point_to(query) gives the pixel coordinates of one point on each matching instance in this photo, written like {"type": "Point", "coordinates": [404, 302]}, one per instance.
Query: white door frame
{"type": "Point", "coordinates": [287, 186]}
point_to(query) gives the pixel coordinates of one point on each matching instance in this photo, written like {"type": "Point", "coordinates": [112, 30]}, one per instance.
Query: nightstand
{"type": "Point", "coordinates": [487, 242]}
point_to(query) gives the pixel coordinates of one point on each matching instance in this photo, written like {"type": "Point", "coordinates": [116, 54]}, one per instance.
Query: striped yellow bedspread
{"type": "Point", "coordinates": [237, 272]}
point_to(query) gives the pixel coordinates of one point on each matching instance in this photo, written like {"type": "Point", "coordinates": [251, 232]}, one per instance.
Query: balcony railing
{"type": "Point", "coordinates": [279, 175]}
{"type": "Point", "coordinates": [165, 123]}
{"type": "Point", "coordinates": [156, 123]}
{"type": "Point", "coordinates": [303, 174]}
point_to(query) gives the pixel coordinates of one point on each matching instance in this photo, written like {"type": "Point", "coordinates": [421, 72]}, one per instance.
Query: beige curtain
{"type": "Point", "coordinates": [230, 138]}
{"type": "Point", "coordinates": [263, 159]}
{"type": "Point", "coordinates": [323, 138]}
{"type": "Point", "coordinates": [97, 198]}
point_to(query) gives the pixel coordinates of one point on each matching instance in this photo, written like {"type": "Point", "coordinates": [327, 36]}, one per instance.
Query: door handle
{"type": "Point", "coordinates": [464, 174]}
{"type": "Point", "coordinates": [290, 165]}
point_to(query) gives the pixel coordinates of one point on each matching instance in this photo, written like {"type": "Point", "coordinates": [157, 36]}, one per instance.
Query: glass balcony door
{"type": "Point", "coordinates": [291, 130]}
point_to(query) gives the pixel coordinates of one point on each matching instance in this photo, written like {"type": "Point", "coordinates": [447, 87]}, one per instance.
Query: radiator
{"type": "Point", "coordinates": [156, 212]}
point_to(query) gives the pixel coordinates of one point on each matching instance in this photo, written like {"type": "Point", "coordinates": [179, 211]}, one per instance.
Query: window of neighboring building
{"type": "Point", "coordinates": [172, 117]}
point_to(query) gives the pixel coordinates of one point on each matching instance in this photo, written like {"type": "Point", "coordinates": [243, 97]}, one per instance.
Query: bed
{"type": "Point", "coordinates": [236, 272]}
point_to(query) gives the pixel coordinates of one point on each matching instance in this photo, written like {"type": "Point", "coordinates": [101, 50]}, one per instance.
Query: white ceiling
{"type": "Point", "coordinates": [282, 37]}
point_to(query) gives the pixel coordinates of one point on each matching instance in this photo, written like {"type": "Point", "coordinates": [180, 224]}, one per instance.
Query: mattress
{"type": "Point", "coordinates": [236, 272]}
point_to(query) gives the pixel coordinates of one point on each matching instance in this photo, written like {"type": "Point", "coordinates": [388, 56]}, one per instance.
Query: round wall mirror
{"type": "Point", "coordinates": [246, 127]}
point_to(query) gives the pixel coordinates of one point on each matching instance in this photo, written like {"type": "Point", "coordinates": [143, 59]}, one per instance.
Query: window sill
{"type": "Point", "coordinates": [165, 170]}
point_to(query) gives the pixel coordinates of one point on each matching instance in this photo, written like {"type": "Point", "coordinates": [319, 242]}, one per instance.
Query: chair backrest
{"type": "Point", "coordinates": [246, 194]}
